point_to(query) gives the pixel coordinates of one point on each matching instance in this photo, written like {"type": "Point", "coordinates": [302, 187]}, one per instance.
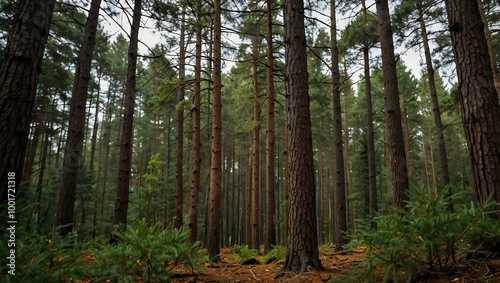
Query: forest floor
{"type": "Point", "coordinates": [335, 264]}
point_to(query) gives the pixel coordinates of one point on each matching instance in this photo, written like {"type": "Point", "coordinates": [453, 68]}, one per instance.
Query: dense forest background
{"type": "Point", "coordinates": [124, 122]}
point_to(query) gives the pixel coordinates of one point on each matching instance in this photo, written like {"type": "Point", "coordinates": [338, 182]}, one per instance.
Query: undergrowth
{"type": "Point", "coordinates": [143, 252]}
{"type": "Point", "coordinates": [425, 239]}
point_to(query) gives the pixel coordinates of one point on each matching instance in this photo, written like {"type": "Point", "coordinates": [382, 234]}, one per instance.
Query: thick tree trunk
{"type": "Point", "coordinates": [126, 143]}
{"type": "Point", "coordinates": [338, 150]}
{"type": "Point", "coordinates": [179, 190]}
{"type": "Point", "coordinates": [76, 128]}
{"type": "Point", "coordinates": [394, 136]}
{"type": "Point", "coordinates": [480, 107]}
{"type": "Point", "coordinates": [214, 217]}
{"type": "Point", "coordinates": [302, 238]}
{"type": "Point", "coordinates": [270, 229]}
{"type": "Point", "coordinates": [19, 72]}
{"type": "Point", "coordinates": [195, 176]}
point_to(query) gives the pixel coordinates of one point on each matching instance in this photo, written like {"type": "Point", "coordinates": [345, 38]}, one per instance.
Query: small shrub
{"type": "Point", "coordinates": [275, 254]}
{"type": "Point", "coordinates": [143, 251]}
{"type": "Point", "coordinates": [245, 255]}
{"type": "Point", "coordinates": [425, 238]}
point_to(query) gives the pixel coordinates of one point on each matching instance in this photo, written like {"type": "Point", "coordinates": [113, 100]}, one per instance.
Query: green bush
{"type": "Point", "coordinates": [275, 254]}
{"type": "Point", "coordinates": [243, 254]}
{"type": "Point", "coordinates": [427, 237]}
{"type": "Point", "coordinates": [143, 251]}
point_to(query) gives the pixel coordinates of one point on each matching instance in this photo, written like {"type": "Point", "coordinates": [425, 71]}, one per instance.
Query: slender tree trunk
{"type": "Point", "coordinates": [214, 218]}
{"type": "Point", "coordinates": [19, 72]}
{"type": "Point", "coordinates": [255, 151]}
{"type": "Point", "coordinates": [248, 199]}
{"type": "Point", "coordinates": [372, 172]}
{"type": "Point", "coordinates": [270, 229]}
{"type": "Point", "coordinates": [195, 176]}
{"type": "Point", "coordinates": [76, 128]}
{"type": "Point", "coordinates": [479, 100]}
{"type": "Point", "coordinates": [179, 190]}
{"type": "Point", "coordinates": [302, 238]}
{"type": "Point", "coordinates": [95, 128]}
{"type": "Point", "coordinates": [338, 151]}
{"type": "Point", "coordinates": [394, 137]}
{"type": "Point", "coordinates": [439, 135]}
{"type": "Point", "coordinates": [126, 143]}
{"type": "Point", "coordinates": [39, 131]}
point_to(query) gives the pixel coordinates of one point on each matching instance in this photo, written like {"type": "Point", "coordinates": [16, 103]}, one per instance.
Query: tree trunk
{"type": "Point", "coordinates": [255, 151]}
{"type": "Point", "coordinates": [338, 151]}
{"type": "Point", "coordinates": [302, 238]}
{"type": "Point", "coordinates": [19, 72]}
{"type": "Point", "coordinates": [179, 191]}
{"type": "Point", "coordinates": [372, 172]}
{"type": "Point", "coordinates": [480, 107]}
{"type": "Point", "coordinates": [491, 50]}
{"type": "Point", "coordinates": [394, 136]}
{"type": "Point", "coordinates": [95, 128]}
{"type": "Point", "coordinates": [195, 176]}
{"type": "Point", "coordinates": [214, 218]}
{"type": "Point", "coordinates": [39, 131]}
{"type": "Point", "coordinates": [126, 143]}
{"type": "Point", "coordinates": [76, 128]}
{"type": "Point", "coordinates": [270, 229]}
{"type": "Point", "coordinates": [443, 159]}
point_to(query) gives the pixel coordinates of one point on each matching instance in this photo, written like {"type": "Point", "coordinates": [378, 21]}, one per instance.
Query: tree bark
{"type": "Point", "coordinates": [255, 151]}
{"type": "Point", "coordinates": [214, 217]}
{"type": "Point", "coordinates": [478, 97]}
{"type": "Point", "coordinates": [443, 159]}
{"type": "Point", "coordinates": [196, 173]}
{"type": "Point", "coordinates": [302, 238]}
{"type": "Point", "coordinates": [491, 50]}
{"type": "Point", "coordinates": [39, 131]}
{"type": "Point", "coordinates": [394, 135]}
{"type": "Point", "coordinates": [126, 143]}
{"type": "Point", "coordinates": [270, 229]}
{"type": "Point", "coordinates": [338, 150]}
{"type": "Point", "coordinates": [372, 173]}
{"type": "Point", "coordinates": [76, 127]}
{"type": "Point", "coordinates": [19, 73]}
{"type": "Point", "coordinates": [179, 190]}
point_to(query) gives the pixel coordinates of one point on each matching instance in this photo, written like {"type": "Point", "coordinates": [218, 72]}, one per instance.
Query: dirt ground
{"type": "Point", "coordinates": [335, 264]}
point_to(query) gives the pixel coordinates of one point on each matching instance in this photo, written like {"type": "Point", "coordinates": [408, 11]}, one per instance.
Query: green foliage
{"type": "Point", "coordinates": [244, 254]}
{"type": "Point", "coordinates": [427, 238]}
{"type": "Point", "coordinates": [48, 258]}
{"type": "Point", "coordinates": [141, 252]}
{"type": "Point", "coordinates": [276, 254]}
{"type": "Point", "coordinates": [148, 253]}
